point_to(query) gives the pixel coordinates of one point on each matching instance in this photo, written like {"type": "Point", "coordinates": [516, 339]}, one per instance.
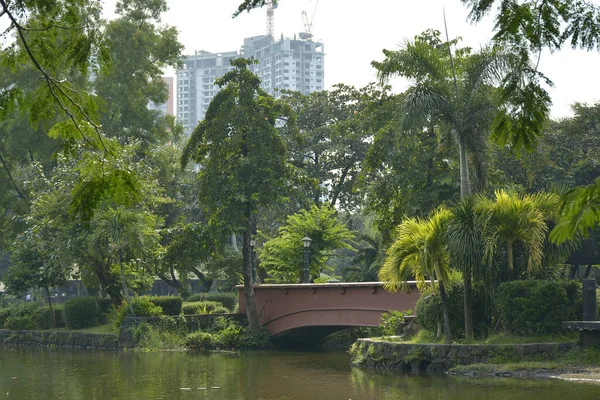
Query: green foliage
{"type": "Point", "coordinates": [391, 321]}
{"type": "Point", "coordinates": [282, 256]}
{"type": "Point", "coordinates": [85, 312]}
{"type": "Point", "coordinates": [43, 317]}
{"type": "Point", "coordinates": [171, 305]}
{"type": "Point", "coordinates": [537, 307]}
{"type": "Point", "coordinates": [420, 252]}
{"type": "Point", "coordinates": [336, 128]}
{"type": "Point", "coordinates": [514, 218]}
{"type": "Point", "coordinates": [203, 307]}
{"type": "Point", "coordinates": [429, 310]}
{"type": "Point", "coordinates": [19, 323]}
{"type": "Point", "coordinates": [229, 335]}
{"type": "Point", "coordinates": [142, 307]}
{"type": "Point", "coordinates": [242, 154]}
{"type": "Point", "coordinates": [229, 300]}
{"type": "Point", "coordinates": [200, 341]}
{"type": "Point", "coordinates": [535, 25]}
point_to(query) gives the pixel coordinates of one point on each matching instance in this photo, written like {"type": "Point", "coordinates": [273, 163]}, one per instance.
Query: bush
{"type": "Point", "coordinates": [537, 307]}
{"type": "Point", "coordinates": [106, 308]}
{"type": "Point", "coordinates": [16, 323]}
{"type": "Point", "coordinates": [229, 300]}
{"type": "Point", "coordinates": [203, 307]}
{"type": "Point", "coordinates": [429, 310]}
{"type": "Point", "coordinates": [171, 305]}
{"type": "Point", "coordinates": [43, 319]}
{"type": "Point", "coordinates": [200, 340]}
{"type": "Point", "coordinates": [142, 307]}
{"type": "Point", "coordinates": [82, 312]}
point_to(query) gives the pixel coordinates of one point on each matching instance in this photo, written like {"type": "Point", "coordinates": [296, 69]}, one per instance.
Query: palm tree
{"type": "Point", "coordinates": [454, 92]}
{"type": "Point", "coordinates": [465, 245]}
{"type": "Point", "coordinates": [420, 251]}
{"type": "Point", "coordinates": [512, 218]}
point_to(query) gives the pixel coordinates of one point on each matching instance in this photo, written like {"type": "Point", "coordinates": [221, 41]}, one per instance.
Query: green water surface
{"type": "Point", "coordinates": [60, 374]}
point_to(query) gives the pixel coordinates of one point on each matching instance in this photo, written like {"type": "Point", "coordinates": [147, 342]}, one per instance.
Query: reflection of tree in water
{"type": "Point", "coordinates": [66, 375]}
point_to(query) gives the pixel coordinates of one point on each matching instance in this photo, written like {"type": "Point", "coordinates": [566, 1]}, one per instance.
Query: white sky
{"type": "Point", "coordinates": [355, 31]}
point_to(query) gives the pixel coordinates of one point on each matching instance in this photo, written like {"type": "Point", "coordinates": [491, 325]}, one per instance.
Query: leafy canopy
{"type": "Point", "coordinates": [282, 256]}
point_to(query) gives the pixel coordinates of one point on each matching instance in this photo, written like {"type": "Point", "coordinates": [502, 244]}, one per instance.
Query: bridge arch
{"type": "Point", "coordinates": [283, 308]}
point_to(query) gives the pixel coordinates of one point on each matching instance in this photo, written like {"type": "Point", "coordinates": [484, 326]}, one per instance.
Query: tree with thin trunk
{"type": "Point", "coordinates": [128, 235]}
{"type": "Point", "coordinates": [468, 97]}
{"type": "Point", "coordinates": [242, 160]}
{"type": "Point", "coordinates": [421, 251]}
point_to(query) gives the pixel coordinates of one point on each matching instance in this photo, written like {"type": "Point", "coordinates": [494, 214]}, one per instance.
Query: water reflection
{"type": "Point", "coordinates": [57, 374]}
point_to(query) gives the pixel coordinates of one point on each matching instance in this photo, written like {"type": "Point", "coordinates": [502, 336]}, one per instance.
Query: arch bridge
{"type": "Point", "coordinates": [286, 307]}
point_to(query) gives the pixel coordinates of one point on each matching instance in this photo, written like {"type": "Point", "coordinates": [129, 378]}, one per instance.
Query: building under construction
{"type": "Point", "coordinates": [284, 64]}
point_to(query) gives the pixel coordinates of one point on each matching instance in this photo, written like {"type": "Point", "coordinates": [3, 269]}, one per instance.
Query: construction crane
{"type": "Point", "coordinates": [271, 17]}
{"type": "Point", "coordinates": [307, 34]}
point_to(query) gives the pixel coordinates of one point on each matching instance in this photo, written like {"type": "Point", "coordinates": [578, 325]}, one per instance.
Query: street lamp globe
{"type": "Point", "coordinates": [306, 242]}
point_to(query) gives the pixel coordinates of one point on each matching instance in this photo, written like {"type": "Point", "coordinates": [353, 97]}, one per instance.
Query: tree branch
{"type": "Point", "coordinates": [11, 177]}
{"type": "Point", "coordinates": [52, 83]}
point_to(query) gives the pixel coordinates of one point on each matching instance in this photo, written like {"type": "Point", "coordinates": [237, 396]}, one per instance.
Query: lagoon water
{"type": "Point", "coordinates": [62, 374]}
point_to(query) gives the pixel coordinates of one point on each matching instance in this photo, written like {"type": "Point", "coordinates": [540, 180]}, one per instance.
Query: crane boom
{"type": "Point", "coordinates": [271, 17]}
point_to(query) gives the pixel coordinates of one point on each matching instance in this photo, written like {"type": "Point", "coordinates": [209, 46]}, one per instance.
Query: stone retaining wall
{"type": "Point", "coordinates": [74, 340]}
{"type": "Point", "coordinates": [370, 353]}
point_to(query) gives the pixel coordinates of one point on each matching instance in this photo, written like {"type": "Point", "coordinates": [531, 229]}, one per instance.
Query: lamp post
{"type": "Point", "coordinates": [306, 243]}
{"type": "Point", "coordinates": [252, 244]}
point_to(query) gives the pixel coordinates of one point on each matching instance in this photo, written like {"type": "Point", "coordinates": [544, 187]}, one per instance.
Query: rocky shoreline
{"type": "Point", "coordinates": [580, 374]}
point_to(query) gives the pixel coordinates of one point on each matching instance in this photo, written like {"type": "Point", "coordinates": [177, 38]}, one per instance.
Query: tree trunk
{"type": "Point", "coordinates": [125, 292]}
{"type": "Point", "coordinates": [465, 182]}
{"type": "Point", "coordinates": [510, 257]}
{"type": "Point", "coordinates": [444, 301]}
{"type": "Point", "coordinates": [52, 316]}
{"type": "Point", "coordinates": [468, 305]}
{"type": "Point", "coordinates": [251, 313]}
{"type": "Point", "coordinates": [465, 191]}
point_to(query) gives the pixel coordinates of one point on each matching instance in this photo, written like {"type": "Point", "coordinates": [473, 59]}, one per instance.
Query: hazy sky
{"type": "Point", "coordinates": [355, 31]}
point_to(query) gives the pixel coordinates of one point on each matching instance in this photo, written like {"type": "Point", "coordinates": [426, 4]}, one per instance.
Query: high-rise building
{"type": "Point", "coordinates": [287, 63]}
{"type": "Point", "coordinates": [165, 108]}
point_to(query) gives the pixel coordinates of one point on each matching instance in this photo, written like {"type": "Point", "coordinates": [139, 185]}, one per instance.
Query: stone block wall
{"type": "Point", "coordinates": [74, 340]}
{"type": "Point", "coordinates": [370, 353]}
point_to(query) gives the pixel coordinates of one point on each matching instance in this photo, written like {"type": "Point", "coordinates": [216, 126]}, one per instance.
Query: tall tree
{"type": "Point", "coordinates": [243, 160]}
{"type": "Point", "coordinates": [336, 129]}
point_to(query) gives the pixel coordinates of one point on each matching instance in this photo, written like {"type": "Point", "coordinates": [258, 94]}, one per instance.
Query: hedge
{"type": "Point", "coordinates": [203, 307]}
{"type": "Point", "coordinates": [86, 312]}
{"type": "Point", "coordinates": [429, 311]}
{"type": "Point", "coordinates": [537, 307]}
{"type": "Point", "coordinates": [38, 314]}
{"type": "Point", "coordinates": [43, 319]}
{"type": "Point", "coordinates": [171, 305]}
{"type": "Point", "coordinates": [229, 300]}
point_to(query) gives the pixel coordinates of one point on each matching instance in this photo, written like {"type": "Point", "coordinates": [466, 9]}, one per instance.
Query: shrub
{"type": "Point", "coordinates": [106, 308]}
{"type": "Point", "coordinates": [16, 323]}
{"type": "Point", "coordinates": [232, 336]}
{"type": "Point", "coordinates": [82, 312]}
{"type": "Point", "coordinates": [200, 340]}
{"type": "Point", "coordinates": [429, 310]}
{"type": "Point", "coordinates": [142, 307]}
{"type": "Point", "coordinates": [391, 322]}
{"type": "Point", "coordinates": [229, 300]}
{"type": "Point", "coordinates": [203, 307]}
{"type": "Point", "coordinates": [43, 319]}
{"type": "Point", "coordinates": [171, 305]}
{"type": "Point", "coordinates": [536, 307]}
